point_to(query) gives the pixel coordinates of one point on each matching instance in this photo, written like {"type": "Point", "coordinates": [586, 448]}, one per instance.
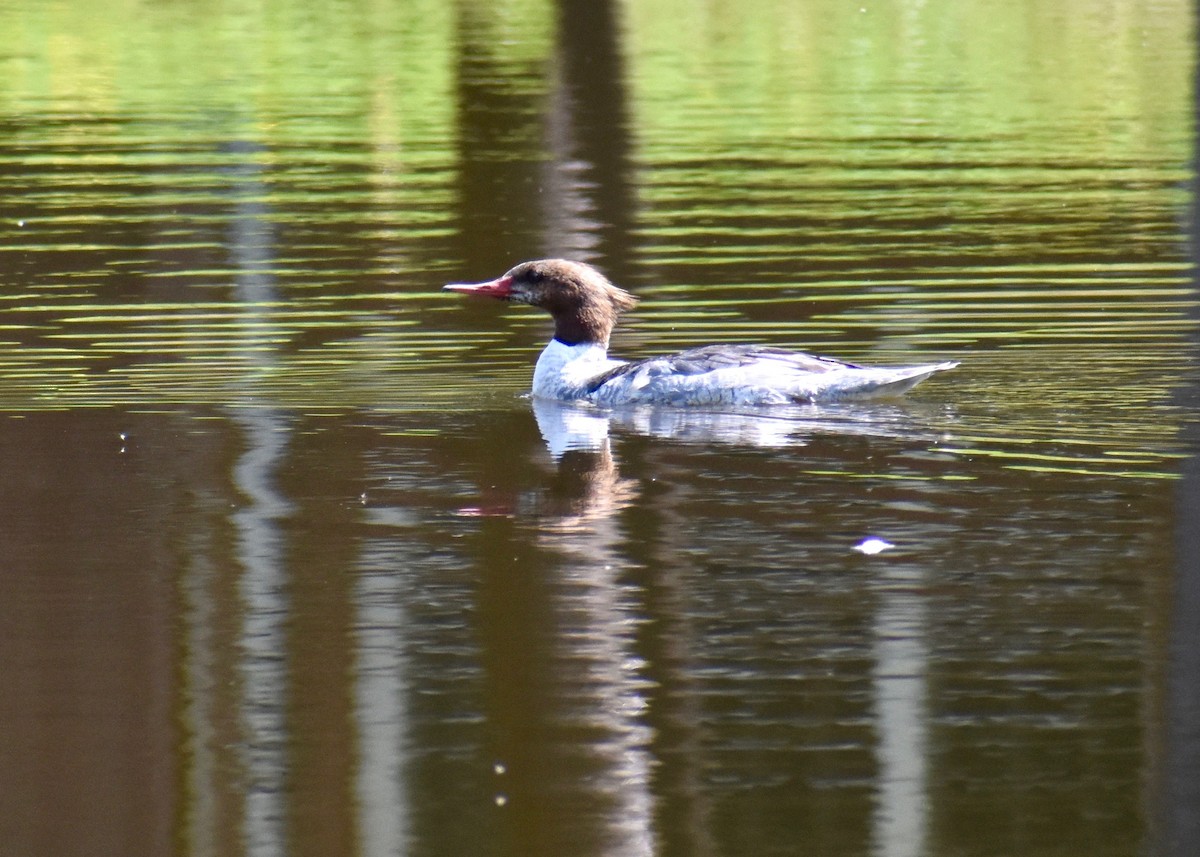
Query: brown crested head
{"type": "Point", "coordinates": [585, 305]}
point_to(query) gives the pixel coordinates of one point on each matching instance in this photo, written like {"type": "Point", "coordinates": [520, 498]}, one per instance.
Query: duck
{"type": "Point", "coordinates": [575, 366]}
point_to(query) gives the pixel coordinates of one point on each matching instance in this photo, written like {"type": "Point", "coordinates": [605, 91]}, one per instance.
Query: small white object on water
{"type": "Point", "coordinates": [872, 546]}
{"type": "Point", "coordinates": [501, 800]}
{"type": "Point", "coordinates": [499, 768]}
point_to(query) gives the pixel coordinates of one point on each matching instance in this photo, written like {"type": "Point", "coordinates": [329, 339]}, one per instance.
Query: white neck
{"type": "Point", "coordinates": [563, 370]}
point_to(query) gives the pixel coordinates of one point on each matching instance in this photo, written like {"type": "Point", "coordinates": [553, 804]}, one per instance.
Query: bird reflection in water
{"type": "Point", "coordinates": [591, 648]}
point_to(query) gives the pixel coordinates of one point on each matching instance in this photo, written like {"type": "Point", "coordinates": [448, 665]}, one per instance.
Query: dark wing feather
{"type": "Point", "coordinates": [710, 357]}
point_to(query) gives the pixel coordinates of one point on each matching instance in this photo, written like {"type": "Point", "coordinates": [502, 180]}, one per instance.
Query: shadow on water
{"type": "Point", "coordinates": [589, 647]}
{"type": "Point", "coordinates": [544, 166]}
{"type": "Point", "coordinates": [1178, 811]}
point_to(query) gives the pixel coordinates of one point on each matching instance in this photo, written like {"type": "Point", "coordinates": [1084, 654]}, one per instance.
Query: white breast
{"type": "Point", "coordinates": [562, 370]}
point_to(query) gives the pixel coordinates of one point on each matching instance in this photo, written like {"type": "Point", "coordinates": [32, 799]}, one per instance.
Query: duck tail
{"type": "Point", "coordinates": [896, 382]}
{"type": "Point", "coordinates": [857, 383]}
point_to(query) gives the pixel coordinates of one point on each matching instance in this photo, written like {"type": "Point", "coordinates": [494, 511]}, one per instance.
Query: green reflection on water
{"type": "Point", "coordinates": [213, 203]}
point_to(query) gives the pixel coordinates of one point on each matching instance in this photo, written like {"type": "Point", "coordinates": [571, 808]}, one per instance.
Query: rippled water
{"type": "Point", "coordinates": [293, 565]}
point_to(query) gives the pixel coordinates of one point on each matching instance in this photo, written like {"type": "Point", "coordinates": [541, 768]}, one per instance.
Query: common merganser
{"type": "Point", "coordinates": [575, 365]}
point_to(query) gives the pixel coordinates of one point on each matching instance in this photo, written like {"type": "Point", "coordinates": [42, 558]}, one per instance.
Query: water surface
{"type": "Point", "coordinates": [293, 564]}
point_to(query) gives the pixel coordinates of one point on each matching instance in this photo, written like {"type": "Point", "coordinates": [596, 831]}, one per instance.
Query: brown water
{"type": "Point", "coordinates": [291, 565]}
